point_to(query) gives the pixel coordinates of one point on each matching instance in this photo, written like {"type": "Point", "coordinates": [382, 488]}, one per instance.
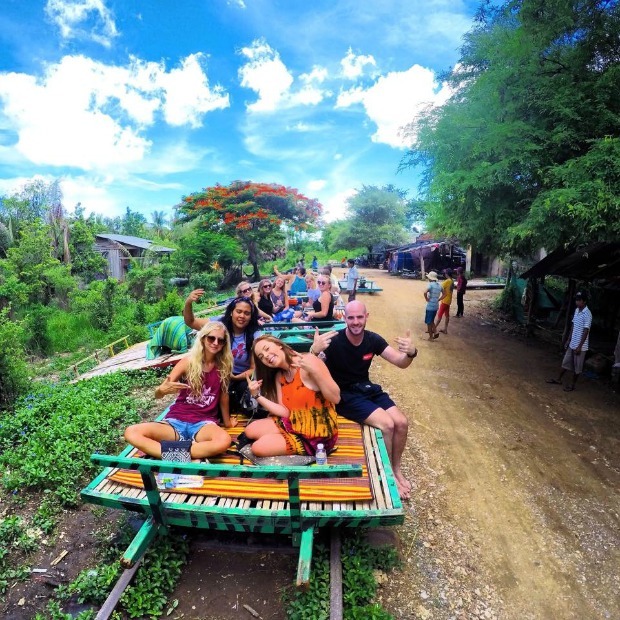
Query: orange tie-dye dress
{"type": "Point", "coordinates": [312, 419]}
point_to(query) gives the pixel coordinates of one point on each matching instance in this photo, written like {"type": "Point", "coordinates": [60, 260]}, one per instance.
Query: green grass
{"type": "Point", "coordinates": [70, 332]}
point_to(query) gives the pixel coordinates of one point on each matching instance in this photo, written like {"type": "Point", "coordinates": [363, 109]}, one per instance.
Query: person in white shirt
{"type": "Point", "coordinates": [352, 277]}
{"type": "Point", "coordinates": [577, 343]}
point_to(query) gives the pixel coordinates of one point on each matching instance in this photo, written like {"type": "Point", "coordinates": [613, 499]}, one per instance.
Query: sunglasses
{"type": "Point", "coordinates": [266, 285]}
{"type": "Point", "coordinates": [246, 290]}
{"type": "Point", "coordinates": [214, 339]}
{"type": "Point", "coordinates": [321, 282]}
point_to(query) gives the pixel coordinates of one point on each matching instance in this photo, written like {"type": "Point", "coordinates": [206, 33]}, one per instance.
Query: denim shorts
{"type": "Point", "coordinates": [430, 316]}
{"type": "Point", "coordinates": [186, 431]}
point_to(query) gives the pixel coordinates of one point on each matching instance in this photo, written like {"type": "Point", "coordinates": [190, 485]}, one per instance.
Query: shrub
{"type": "Point", "coordinates": [13, 368]}
{"type": "Point", "coordinates": [37, 338]}
{"type": "Point", "coordinates": [47, 441]}
{"type": "Point", "coordinates": [71, 331]}
{"type": "Point", "coordinates": [170, 305]}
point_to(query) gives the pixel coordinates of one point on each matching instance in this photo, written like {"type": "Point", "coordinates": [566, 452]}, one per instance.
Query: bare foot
{"type": "Point", "coordinates": [402, 483]}
{"type": "Point", "coordinates": [403, 492]}
{"type": "Point", "coordinates": [443, 331]}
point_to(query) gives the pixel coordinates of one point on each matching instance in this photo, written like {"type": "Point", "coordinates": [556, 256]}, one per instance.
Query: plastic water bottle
{"type": "Point", "coordinates": [321, 456]}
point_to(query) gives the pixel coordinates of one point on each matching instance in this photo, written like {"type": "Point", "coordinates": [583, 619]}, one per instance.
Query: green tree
{"type": "Point", "coordinates": [158, 223]}
{"type": "Point", "coordinates": [376, 216]}
{"type": "Point", "coordinates": [252, 213]}
{"type": "Point", "coordinates": [133, 224]}
{"type": "Point", "coordinates": [5, 240]}
{"type": "Point", "coordinates": [86, 261]}
{"type": "Point", "coordinates": [525, 153]}
{"type": "Point", "coordinates": [31, 258]}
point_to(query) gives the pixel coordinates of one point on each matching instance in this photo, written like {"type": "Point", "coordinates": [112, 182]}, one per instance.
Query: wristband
{"type": "Point", "coordinates": [410, 356]}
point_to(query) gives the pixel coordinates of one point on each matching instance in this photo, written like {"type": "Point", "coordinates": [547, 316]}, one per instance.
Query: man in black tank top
{"type": "Point", "coordinates": [348, 355]}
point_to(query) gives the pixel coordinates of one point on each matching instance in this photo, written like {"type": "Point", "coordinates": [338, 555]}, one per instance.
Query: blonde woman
{"type": "Point", "coordinates": [200, 381]}
{"type": "Point", "coordinates": [279, 295]}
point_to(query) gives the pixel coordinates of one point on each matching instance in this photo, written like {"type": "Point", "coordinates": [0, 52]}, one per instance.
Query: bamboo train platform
{"type": "Point", "coordinates": [288, 515]}
{"type": "Point", "coordinates": [133, 358]}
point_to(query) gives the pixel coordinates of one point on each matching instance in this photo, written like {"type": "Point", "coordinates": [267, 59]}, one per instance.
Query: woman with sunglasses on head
{"type": "Point", "coordinates": [200, 381]}
{"type": "Point", "coordinates": [299, 394]}
{"type": "Point", "coordinates": [241, 322]}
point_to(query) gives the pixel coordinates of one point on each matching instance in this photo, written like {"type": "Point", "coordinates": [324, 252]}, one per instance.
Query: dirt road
{"type": "Point", "coordinates": [516, 500]}
{"type": "Point", "coordinates": [516, 504]}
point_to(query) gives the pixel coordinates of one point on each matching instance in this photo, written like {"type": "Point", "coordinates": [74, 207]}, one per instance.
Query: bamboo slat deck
{"type": "Point", "coordinates": [133, 358]}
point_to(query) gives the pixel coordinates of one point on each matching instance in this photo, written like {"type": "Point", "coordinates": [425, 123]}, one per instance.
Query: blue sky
{"type": "Point", "coordinates": [139, 102]}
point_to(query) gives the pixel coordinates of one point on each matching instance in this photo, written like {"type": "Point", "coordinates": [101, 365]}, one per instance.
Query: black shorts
{"type": "Point", "coordinates": [357, 404]}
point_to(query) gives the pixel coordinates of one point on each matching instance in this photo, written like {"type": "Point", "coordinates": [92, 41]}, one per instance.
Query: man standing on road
{"type": "Point", "coordinates": [352, 278]}
{"type": "Point", "coordinates": [348, 356]}
{"type": "Point", "coordinates": [578, 342]}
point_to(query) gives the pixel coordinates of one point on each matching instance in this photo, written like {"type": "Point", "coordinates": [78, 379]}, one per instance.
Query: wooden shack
{"type": "Point", "coordinates": [120, 250]}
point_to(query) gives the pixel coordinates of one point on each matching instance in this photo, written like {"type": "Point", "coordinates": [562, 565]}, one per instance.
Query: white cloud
{"type": "Point", "coordinates": [83, 19]}
{"type": "Point", "coordinates": [89, 115]}
{"type": "Point", "coordinates": [265, 74]}
{"type": "Point", "coordinates": [335, 206]}
{"type": "Point", "coordinates": [268, 76]}
{"type": "Point", "coordinates": [188, 95]}
{"type": "Point", "coordinates": [394, 101]}
{"type": "Point", "coordinates": [353, 66]}
{"type": "Point", "coordinates": [316, 185]}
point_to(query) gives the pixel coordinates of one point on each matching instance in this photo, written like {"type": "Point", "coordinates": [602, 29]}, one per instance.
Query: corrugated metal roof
{"type": "Point", "coordinates": [593, 262]}
{"type": "Point", "coordinates": [137, 242]}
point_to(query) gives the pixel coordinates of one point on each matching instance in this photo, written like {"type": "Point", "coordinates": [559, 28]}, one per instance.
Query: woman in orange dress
{"type": "Point", "coordinates": [299, 394]}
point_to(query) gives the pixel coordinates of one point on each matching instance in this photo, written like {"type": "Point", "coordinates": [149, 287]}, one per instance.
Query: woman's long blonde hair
{"type": "Point", "coordinates": [223, 359]}
{"type": "Point", "coordinates": [266, 373]}
{"type": "Point", "coordinates": [261, 287]}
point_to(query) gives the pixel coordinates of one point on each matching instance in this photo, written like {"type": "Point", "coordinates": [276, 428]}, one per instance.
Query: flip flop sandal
{"type": "Point", "coordinates": [569, 388]}
{"type": "Point", "coordinates": [554, 381]}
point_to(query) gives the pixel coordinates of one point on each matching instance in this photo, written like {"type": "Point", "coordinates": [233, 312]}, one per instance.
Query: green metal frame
{"type": "Point", "coordinates": [362, 288]}
{"type": "Point", "coordinates": [161, 515]}
{"type": "Point", "coordinates": [292, 520]}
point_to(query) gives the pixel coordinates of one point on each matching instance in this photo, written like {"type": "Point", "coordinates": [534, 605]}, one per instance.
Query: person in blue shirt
{"type": "Point", "coordinates": [433, 295]}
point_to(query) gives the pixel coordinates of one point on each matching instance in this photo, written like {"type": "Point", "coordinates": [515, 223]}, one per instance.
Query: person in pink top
{"type": "Point", "coordinates": [200, 381]}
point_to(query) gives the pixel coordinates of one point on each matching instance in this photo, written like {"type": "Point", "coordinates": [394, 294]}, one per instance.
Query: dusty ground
{"type": "Point", "coordinates": [516, 505]}
{"type": "Point", "coordinates": [515, 511]}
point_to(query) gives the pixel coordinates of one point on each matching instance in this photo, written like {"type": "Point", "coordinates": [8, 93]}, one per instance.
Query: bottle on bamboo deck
{"type": "Point", "coordinates": [321, 455]}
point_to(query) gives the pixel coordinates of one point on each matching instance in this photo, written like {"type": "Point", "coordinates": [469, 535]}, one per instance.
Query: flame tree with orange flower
{"type": "Point", "coordinates": [252, 213]}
